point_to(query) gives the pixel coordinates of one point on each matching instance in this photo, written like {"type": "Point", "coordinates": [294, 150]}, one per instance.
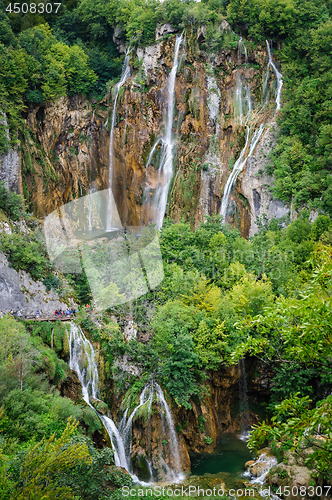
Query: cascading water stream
{"type": "Point", "coordinates": [158, 200]}
{"type": "Point", "coordinates": [82, 361]}
{"type": "Point", "coordinates": [265, 463]}
{"type": "Point", "coordinates": [277, 73]}
{"type": "Point", "coordinates": [238, 166]}
{"type": "Point", "coordinates": [124, 76]}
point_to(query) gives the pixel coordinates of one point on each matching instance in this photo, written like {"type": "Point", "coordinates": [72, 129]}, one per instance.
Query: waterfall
{"type": "Point", "coordinates": [90, 200]}
{"type": "Point", "coordinates": [124, 76]}
{"type": "Point", "coordinates": [278, 76]}
{"type": "Point", "coordinates": [238, 166]}
{"type": "Point", "coordinates": [243, 106]}
{"type": "Point", "coordinates": [150, 393]}
{"type": "Point", "coordinates": [244, 403]}
{"type": "Point", "coordinates": [120, 458]}
{"type": "Point", "coordinates": [241, 49]}
{"type": "Point", "coordinates": [174, 442]}
{"type": "Point", "coordinates": [158, 198]}
{"type": "Point", "coordinates": [82, 359]}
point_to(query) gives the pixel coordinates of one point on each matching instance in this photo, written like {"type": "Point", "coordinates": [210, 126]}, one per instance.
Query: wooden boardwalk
{"type": "Point", "coordinates": [47, 318]}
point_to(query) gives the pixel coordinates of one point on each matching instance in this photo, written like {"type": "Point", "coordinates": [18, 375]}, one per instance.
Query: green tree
{"type": "Point", "coordinates": [41, 465]}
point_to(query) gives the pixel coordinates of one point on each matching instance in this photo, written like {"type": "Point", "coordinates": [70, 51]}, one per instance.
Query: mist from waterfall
{"type": "Point", "coordinates": [124, 76]}
{"type": "Point", "coordinates": [244, 116]}
{"type": "Point", "coordinates": [155, 196]}
{"type": "Point", "coordinates": [82, 359]}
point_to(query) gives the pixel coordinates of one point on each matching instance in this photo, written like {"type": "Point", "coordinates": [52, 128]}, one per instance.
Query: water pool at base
{"type": "Point", "coordinates": [226, 461]}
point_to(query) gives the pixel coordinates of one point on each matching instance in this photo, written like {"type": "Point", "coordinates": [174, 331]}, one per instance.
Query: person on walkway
{"type": "Point", "coordinates": [37, 314]}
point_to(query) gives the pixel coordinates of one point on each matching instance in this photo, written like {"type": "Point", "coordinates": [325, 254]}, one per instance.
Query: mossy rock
{"type": "Point", "coordinates": [99, 406]}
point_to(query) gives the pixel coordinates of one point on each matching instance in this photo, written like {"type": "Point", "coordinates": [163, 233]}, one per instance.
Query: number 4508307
{"type": "Point", "coordinates": [33, 8]}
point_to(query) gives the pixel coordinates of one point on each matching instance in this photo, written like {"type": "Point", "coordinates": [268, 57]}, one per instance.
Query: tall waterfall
{"type": "Point", "coordinates": [155, 197]}
{"type": "Point", "coordinates": [124, 76]}
{"type": "Point", "coordinates": [82, 359]}
{"type": "Point", "coordinates": [243, 115]}
{"type": "Point", "coordinates": [243, 399]}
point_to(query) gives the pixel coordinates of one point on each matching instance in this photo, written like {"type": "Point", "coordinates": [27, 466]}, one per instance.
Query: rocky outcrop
{"type": "Point", "coordinates": [71, 387]}
{"type": "Point", "coordinates": [10, 170]}
{"type": "Point", "coordinates": [99, 406]}
{"type": "Point", "coordinates": [65, 153]}
{"type": "Point", "coordinates": [19, 292]}
{"type": "Point", "coordinates": [292, 476]}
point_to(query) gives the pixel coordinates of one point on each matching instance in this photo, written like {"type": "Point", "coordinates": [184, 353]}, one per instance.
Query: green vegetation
{"type": "Point", "coordinates": [223, 297]}
{"type": "Point", "coordinates": [44, 454]}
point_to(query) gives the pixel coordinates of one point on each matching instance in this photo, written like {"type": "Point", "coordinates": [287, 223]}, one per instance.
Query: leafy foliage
{"type": "Point", "coordinates": [296, 427]}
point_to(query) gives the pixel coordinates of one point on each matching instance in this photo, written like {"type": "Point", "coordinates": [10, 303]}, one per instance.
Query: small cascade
{"type": "Point", "coordinates": [82, 361]}
{"type": "Point", "coordinates": [124, 76]}
{"type": "Point", "coordinates": [242, 50]}
{"type": "Point", "coordinates": [153, 394]}
{"type": "Point", "coordinates": [117, 443]}
{"type": "Point", "coordinates": [244, 402]}
{"type": "Point", "coordinates": [238, 166]}
{"type": "Point", "coordinates": [155, 196]}
{"type": "Point", "coordinates": [278, 76]}
{"type": "Point", "coordinates": [263, 465]}
{"type": "Point", "coordinates": [174, 445]}
{"type": "Point", "coordinates": [90, 208]}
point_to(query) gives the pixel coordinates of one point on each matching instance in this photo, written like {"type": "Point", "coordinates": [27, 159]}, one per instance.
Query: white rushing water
{"type": "Point", "coordinates": [158, 198]}
{"type": "Point", "coordinates": [243, 115]}
{"type": "Point", "coordinates": [152, 393]}
{"type": "Point", "coordinates": [278, 76]}
{"type": "Point", "coordinates": [124, 76]}
{"type": "Point", "coordinates": [82, 359]}
{"type": "Point", "coordinates": [263, 466]}
{"type": "Point", "coordinates": [239, 164]}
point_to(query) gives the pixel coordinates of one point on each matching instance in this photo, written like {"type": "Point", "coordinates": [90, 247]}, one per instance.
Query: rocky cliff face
{"type": "Point", "coordinates": [20, 293]}
{"type": "Point", "coordinates": [65, 145]}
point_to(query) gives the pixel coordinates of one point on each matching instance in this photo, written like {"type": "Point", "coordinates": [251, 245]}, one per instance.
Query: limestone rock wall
{"type": "Point", "coordinates": [19, 292]}
{"type": "Point", "coordinates": [65, 145]}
